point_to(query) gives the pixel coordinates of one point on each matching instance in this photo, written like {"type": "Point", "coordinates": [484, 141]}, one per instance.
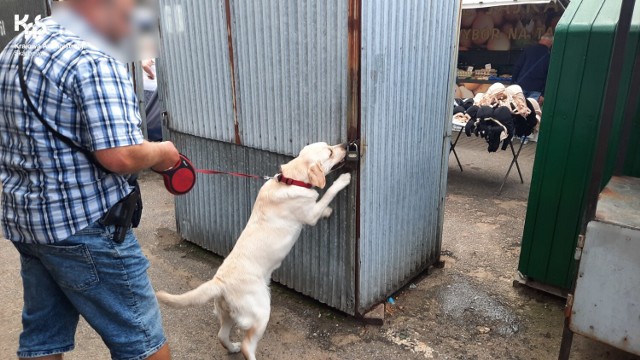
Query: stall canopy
{"type": "Point", "coordinates": [474, 4]}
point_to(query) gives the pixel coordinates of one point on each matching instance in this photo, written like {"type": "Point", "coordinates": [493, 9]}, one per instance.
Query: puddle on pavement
{"type": "Point", "coordinates": [470, 306]}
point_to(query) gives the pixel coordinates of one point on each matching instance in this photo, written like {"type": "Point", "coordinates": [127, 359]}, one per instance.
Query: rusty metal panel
{"type": "Point", "coordinates": [606, 304]}
{"type": "Point", "coordinates": [291, 72]}
{"type": "Point", "coordinates": [195, 68]}
{"type": "Point", "coordinates": [287, 60]}
{"type": "Point", "coordinates": [619, 202]}
{"type": "Point", "coordinates": [406, 89]}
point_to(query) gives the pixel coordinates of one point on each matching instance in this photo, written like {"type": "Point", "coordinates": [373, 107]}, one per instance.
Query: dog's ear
{"type": "Point", "coordinates": [316, 176]}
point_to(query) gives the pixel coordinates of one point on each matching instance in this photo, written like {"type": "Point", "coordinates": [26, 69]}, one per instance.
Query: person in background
{"type": "Point", "coordinates": [530, 72]}
{"type": "Point", "coordinates": [152, 109]}
{"type": "Point", "coordinates": [150, 82]}
{"type": "Point", "coordinates": [63, 166]}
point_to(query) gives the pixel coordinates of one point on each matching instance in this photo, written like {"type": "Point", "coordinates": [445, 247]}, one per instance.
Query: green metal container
{"type": "Point", "coordinates": [573, 101]}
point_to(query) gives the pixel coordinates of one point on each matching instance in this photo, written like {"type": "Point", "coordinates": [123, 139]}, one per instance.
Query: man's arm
{"type": "Point", "coordinates": [109, 111]}
{"type": "Point", "coordinates": [518, 67]}
{"type": "Point", "coordinates": [131, 159]}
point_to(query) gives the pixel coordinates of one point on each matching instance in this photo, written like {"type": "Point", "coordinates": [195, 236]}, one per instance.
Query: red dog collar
{"type": "Point", "coordinates": [181, 178]}
{"type": "Point", "coordinates": [285, 180]}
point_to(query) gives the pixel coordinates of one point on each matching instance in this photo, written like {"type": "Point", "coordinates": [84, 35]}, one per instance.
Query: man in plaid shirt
{"type": "Point", "coordinates": [53, 196]}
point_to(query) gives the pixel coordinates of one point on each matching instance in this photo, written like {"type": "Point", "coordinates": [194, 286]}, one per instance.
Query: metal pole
{"type": "Point", "coordinates": [608, 110]}
{"type": "Point", "coordinates": [138, 76]}
{"type": "Point", "coordinates": [354, 125]}
{"type": "Point", "coordinates": [629, 112]}
{"type": "Point", "coordinates": [600, 153]}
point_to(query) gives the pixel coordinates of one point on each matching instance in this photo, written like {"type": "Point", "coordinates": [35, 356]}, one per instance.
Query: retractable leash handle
{"type": "Point", "coordinates": [180, 178]}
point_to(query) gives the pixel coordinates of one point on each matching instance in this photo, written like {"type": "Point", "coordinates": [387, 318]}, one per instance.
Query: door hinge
{"type": "Point", "coordinates": [579, 247]}
{"type": "Point", "coordinates": [568, 308]}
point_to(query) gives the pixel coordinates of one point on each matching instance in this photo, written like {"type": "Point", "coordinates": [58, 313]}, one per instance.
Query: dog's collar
{"type": "Point", "coordinates": [285, 180]}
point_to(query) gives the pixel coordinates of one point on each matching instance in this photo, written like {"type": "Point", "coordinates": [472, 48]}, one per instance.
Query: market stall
{"type": "Point", "coordinates": [499, 116]}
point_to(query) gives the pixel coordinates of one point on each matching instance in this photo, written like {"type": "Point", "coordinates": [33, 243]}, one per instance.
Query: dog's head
{"type": "Point", "coordinates": [314, 162]}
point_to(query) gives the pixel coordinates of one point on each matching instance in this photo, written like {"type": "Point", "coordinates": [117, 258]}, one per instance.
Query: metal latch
{"type": "Point", "coordinates": [353, 153]}
{"type": "Point", "coordinates": [165, 119]}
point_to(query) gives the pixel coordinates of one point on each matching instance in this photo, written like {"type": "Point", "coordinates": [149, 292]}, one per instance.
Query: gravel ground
{"type": "Point", "coordinates": [467, 310]}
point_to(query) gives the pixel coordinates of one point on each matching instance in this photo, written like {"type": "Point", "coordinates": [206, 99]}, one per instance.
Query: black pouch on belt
{"type": "Point", "coordinates": [125, 214]}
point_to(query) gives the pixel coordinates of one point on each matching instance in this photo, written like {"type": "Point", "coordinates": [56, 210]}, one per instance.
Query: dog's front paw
{"type": "Point", "coordinates": [343, 180]}
{"type": "Point", "coordinates": [327, 212]}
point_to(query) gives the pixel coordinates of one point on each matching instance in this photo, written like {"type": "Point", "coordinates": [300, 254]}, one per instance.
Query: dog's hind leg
{"type": "Point", "coordinates": [253, 336]}
{"type": "Point", "coordinates": [260, 313]}
{"type": "Point", "coordinates": [226, 323]}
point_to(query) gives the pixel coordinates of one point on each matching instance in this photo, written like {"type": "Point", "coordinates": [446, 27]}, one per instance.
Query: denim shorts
{"type": "Point", "coordinates": [533, 95]}
{"type": "Point", "coordinates": [88, 274]}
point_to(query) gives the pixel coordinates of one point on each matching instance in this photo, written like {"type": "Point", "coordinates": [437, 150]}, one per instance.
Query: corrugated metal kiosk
{"type": "Point", "coordinates": [248, 83]}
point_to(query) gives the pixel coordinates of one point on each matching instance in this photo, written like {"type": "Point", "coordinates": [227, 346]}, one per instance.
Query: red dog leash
{"type": "Point", "coordinates": [181, 178]}
{"type": "Point", "coordinates": [279, 177]}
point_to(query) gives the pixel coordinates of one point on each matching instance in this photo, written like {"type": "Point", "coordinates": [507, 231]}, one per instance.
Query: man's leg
{"type": "Point", "coordinates": [49, 320]}
{"type": "Point", "coordinates": [107, 283]}
{"type": "Point", "coordinates": [162, 354]}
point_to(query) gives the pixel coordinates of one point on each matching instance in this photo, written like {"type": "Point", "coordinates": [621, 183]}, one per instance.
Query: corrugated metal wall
{"type": "Point", "coordinates": [291, 72]}
{"type": "Point", "coordinates": [289, 63]}
{"type": "Point", "coordinates": [407, 47]}
{"type": "Point", "coordinates": [250, 99]}
{"type": "Point", "coordinates": [196, 69]}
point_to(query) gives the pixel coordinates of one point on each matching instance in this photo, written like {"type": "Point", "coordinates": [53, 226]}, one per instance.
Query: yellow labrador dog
{"type": "Point", "coordinates": [240, 288]}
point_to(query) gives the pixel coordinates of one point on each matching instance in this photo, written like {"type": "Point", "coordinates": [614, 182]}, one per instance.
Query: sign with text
{"type": "Point", "coordinates": [504, 28]}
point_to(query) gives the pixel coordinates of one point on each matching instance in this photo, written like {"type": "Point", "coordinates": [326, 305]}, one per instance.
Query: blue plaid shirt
{"type": "Point", "coordinates": [49, 190]}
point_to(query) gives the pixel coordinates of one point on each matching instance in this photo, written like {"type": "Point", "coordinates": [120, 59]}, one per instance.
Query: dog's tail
{"type": "Point", "coordinates": [198, 296]}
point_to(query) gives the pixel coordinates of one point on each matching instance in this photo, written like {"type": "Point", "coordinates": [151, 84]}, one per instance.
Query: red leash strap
{"type": "Point", "coordinates": [181, 178]}
{"type": "Point", "coordinates": [217, 172]}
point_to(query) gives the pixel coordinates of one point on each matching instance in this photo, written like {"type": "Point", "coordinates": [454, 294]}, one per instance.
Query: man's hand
{"type": "Point", "coordinates": [131, 159]}
{"type": "Point", "coordinates": [541, 100]}
{"type": "Point", "coordinates": [146, 66]}
{"type": "Point", "coordinates": [170, 159]}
